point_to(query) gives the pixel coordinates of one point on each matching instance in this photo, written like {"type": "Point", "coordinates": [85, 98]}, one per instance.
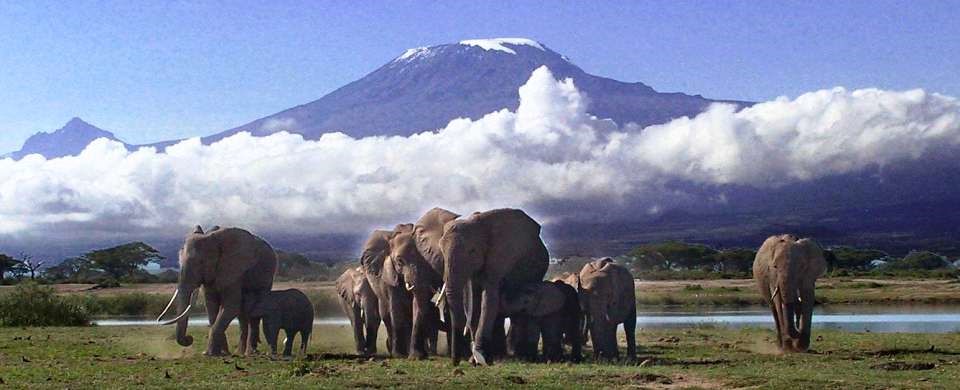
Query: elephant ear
{"type": "Point", "coordinates": [197, 230]}
{"type": "Point", "coordinates": [814, 263]}
{"type": "Point", "coordinates": [427, 233]}
{"type": "Point", "coordinates": [375, 252]}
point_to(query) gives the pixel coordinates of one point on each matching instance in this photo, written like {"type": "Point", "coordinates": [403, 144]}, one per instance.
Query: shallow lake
{"type": "Point", "coordinates": [855, 318]}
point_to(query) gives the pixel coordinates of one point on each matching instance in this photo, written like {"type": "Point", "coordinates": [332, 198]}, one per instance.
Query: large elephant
{"type": "Point", "coordinates": [416, 256]}
{"type": "Point", "coordinates": [228, 263]}
{"type": "Point", "coordinates": [786, 270]}
{"type": "Point", "coordinates": [489, 251]}
{"type": "Point", "coordinates": [608, 297]}
{"type": "Point", "coordinates": [360, 306]}
{"type": "Point", "coordinates": [393, 299]}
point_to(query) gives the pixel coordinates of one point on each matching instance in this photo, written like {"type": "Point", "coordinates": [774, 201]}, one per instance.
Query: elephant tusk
{"type": "Point", "coordinates": [185, 312]}
{"type": "Point", "coordinates": [409, 286]}
{"type": "Point", "coordinates": [776, 290]}
{"type": "Point", "coordinates": [175, 292]}
{"type": "Point", "coordinates": [440, 298]}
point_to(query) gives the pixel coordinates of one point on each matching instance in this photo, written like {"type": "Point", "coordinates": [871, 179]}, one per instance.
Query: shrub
{"type": "Point", "coordinates": [30, 304]}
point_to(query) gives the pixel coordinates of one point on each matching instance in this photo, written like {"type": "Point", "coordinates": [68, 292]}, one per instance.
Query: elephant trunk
{"type": "Point", "coordinates": [458, 320]}
{"type": "Point", "coordinates": [183, 300]}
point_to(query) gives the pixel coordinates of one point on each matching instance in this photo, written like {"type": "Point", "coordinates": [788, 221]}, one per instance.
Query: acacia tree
{"type": "Point", "coordinates": [7, 264]}
{"type": "Point", "coordinates": [29, 265]}
{"type": "Point", "coordinates": [123, 260]}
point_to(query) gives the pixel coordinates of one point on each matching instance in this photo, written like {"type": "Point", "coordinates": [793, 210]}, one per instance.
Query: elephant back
{"type": "Point", "coordinates": [520, 235]}
{"type": "Point", "coordinates": [260, 266]}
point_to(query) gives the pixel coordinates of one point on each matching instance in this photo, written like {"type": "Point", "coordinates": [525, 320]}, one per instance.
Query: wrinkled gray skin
{"type": "Point", "coordinates": [608, 298]}
{"type": "Point", "coordinates": [416, 255]}
{"type": "Point", "coordinates": [572, 279]}
{"type": "Point", "coordinates": [394, 301]}
{"type": "Point", "coordinates": [552, 311]}
{"type": "Point", "coordinates": [786, 270]}
{"type": "Point", "coordinates": [361, 306]}
{"type": "Point", "coordinates": [488, 252]}
{"type": "Point", "coordinates": [228, 263]}
{"type": "Point", "coordinates": [289, 310]}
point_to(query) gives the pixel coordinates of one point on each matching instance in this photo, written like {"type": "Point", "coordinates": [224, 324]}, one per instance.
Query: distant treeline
{"type": "Point", "coordinates": [663, 260]}
{"type": "Point", "coordinates": [682, 260]}
{"type": "Point", "coordinates": [128, 263]}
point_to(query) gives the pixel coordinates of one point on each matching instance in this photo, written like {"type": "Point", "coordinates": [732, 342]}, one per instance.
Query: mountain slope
{"type": "Point", "coordinates": [65, 141]}
{"type": "Point", "coordinates": [425, 88]}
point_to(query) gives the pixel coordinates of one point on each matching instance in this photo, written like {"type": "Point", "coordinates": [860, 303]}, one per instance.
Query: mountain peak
{"type": "Point", "coordinates": [500, 44]}
{"type": "Point", "coordinates": [68, 140]}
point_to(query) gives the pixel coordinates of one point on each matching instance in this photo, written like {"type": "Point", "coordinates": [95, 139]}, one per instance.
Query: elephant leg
{"type": "Point", "coordinates": [230, 309]}
{"type": "Point", "coordinates": [357, 322]}
{"type": "Point", "coordinates": [254, 336]}
{"type": "Point", "coordinates": [372, 321]}
{"type": "Point", "coordinates": [383, 307]}
{"type": "Point", "coordinates": [612, 346]}
{"type": "Point", "coordinates": [630, 330]}
{"type": "Point", "coordinates": [305, 340]}
{"type": "Point", "coordinates": [212, 304]}
{"type": "Point", "coordinates": [806, 318]}
{"type": "Point", "coordinates": [244, 333]}
{"type": "Point", "coordinates": [498, 344]}
{"type": "Point", "coordinates": [776, 322]}
{"type": "Point", "coordinates": [489, 308]}
{"type": "Point", "coordinates": [288, 342]}
{"type": "Point", "coordinates": [400, 313]}
{"type": "Point", "coordinates": [271, 330]}
{"type": "Point", "coordinates": [551, 329]}
{"type": "Point", "coordinates": [421, 302]}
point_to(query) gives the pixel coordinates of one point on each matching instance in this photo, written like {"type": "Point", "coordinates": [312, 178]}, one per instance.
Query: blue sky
{"type": "Point", "coordinates": [162, 70]}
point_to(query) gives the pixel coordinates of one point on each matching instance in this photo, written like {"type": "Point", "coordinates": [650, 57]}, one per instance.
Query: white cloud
{"type": "Point", "coordinates": [549, 151]}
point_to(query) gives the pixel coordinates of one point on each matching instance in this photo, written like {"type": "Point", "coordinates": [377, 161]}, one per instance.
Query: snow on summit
{"type": "Point", "coordinates": [498, 44]}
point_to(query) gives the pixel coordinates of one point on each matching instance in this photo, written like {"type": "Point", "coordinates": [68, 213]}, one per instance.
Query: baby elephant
{"type": "Point", "coordinates": [289, 310]}
{"type": "Point", "coordinates": [547, 309]}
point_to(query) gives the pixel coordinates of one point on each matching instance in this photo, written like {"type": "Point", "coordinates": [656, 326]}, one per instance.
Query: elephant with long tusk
{"type": "Point", "coordinates": [229, 263]}
{"type": "Point", "coordinates": [786, 270]}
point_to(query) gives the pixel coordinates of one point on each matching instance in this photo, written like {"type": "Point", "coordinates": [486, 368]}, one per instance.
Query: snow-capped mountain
{"type": "Point", "coordinates": [424, 88]}
{"type": "Point", "coordinates": [65, 141]}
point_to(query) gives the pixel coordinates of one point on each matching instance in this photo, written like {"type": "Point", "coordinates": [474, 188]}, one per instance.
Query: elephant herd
{"type": "Point", "coordinates": [463, 276]}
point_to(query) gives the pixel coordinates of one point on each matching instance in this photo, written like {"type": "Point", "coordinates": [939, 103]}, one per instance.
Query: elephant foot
{"type": "Point", "coordinates": [478, 357]}
{"type": "Point", "coordinates": [418, 355]}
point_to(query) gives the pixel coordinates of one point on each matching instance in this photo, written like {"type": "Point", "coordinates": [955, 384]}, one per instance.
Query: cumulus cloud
{"type": "Point", "coordinates": [549, 151]}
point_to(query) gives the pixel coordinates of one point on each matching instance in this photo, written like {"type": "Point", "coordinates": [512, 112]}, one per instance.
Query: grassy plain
{"type": "Point", "coordinates": [698, 357]}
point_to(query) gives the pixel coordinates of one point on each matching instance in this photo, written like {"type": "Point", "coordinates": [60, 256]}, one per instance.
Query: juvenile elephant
{"type": "Point", "coordinates": [488, 251]}
{"type": "Point", "coordinates": [360, 305]}
{"type": "Point", "coordinates": [786, 270]}
{"type": "Point", "coordinates": [608, 297]}
{"type": "Point", "coordinates": [394, 301]}
{"type": "Point", "coordinates": [289, 310]}
{"type": "Point", "coordinates": [550, 310]}
{"type": "Point", "coordinates": [228, 263]}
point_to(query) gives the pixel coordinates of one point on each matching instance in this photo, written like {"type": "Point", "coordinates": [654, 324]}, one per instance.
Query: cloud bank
{"type": "Point", "coordinates": [549, 151]}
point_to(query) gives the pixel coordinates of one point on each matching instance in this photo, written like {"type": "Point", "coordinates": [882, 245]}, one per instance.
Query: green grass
{"type": "Point", "coordinates": [122, 357]}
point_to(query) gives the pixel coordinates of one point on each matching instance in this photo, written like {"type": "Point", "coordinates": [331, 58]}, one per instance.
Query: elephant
{"type": "Point", "coordinates": [289, 310]}
{"type": "Point", "coordinates": [394, 301]}
{"type": "Point", "coordinates": [786, 270]}
{"type": "Point", "coordinates": [551, 310]}
{"type": "Point", "coordinates": [229, 263]}
{"type": "Point", "coordinates": [608, 298]}
{"type": "Point", "coordinates": [418, 263]}
{"type": "Point", "coordinates": [362, 308]}
{"type": "Point", "coordinates": [487, 252]}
